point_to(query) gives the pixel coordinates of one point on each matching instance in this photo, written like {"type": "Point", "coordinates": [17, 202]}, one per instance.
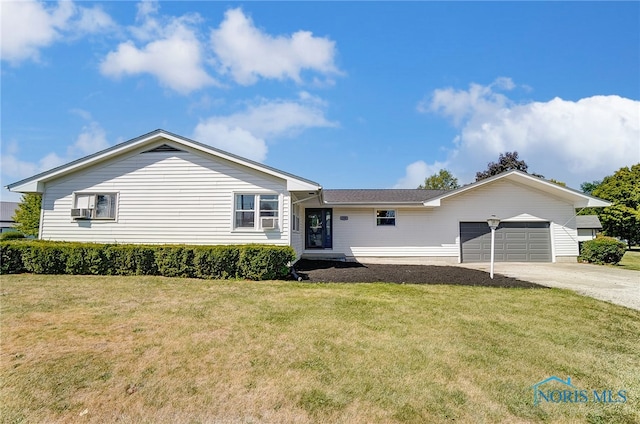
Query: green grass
{"type": "Point", "coordinates": [631, 260]}
{"type": "Point", "coordinates": [151, 349]}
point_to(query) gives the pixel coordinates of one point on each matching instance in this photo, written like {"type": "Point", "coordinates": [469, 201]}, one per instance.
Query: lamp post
{"type": "Point", "coordinates": [493, 222]}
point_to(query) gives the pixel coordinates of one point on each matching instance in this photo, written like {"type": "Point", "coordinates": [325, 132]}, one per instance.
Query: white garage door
{"type": "Point", "coordinates": [515, 242]}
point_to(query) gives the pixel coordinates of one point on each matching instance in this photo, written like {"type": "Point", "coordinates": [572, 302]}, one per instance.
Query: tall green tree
{"type": "Point", "coordinates": [622, 218]}
{"type": "Point", "coordinates": [443, 180]}
{"type": "Point", "coordinates": [506, 162]}
{"type": "Point", "coordinates": [587, 187]}
{"type": "Point", "coordinates": [27, 215]}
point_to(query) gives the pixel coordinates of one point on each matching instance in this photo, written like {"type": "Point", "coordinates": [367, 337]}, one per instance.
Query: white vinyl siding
{"type": "Point", "coordinates": [435, 232]}
{"type": "Point", "coordinates": [168, 197]}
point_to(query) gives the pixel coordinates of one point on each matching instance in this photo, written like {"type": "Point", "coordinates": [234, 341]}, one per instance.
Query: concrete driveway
{"type": "Point", "coordinates": [619, 286]}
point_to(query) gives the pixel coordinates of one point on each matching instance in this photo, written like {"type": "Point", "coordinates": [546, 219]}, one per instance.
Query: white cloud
{"type": "Point", "coordinates": [246, 133]}
{"type": "Point", "coordinates": [146, 8]}
{"type": "Point", "coordinates": [174, 58]}
{"type": "Point", "coordinates": [416, 173]}
{"type": "Point", "coordinates": [247, 53]}
{"type": "Point", "coordinates": [277, 118]}
{"type": "Point", "coordinates": [460, 104]}
{"type": "Point", "coordinates": [232, 139]}
{"type": "Point", "coordinates": [571, 141]}
{"type": "Point", "coordinates": [94, 20]}
{"type": "Point", "coordinates": [91, 139]}
{"type": "Point", "coordinates": [29, 26]}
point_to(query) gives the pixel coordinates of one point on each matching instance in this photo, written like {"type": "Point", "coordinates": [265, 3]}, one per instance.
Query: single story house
{"type": "Point", "coordinates": [164, 188]}
{"type": "Point", "coordinates": [588, 227]}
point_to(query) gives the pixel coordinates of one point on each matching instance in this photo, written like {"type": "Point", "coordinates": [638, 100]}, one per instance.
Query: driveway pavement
{"type": "Point", "coordinates": [619, 286]}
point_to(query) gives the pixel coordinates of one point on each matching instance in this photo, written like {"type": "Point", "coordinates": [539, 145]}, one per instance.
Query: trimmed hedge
{"type": "Point", "coordinates": [253, 262]}
{"type": "Point", "coordinates": [603, 250]}
{"type": "Point", "coordinates": [11, 235]}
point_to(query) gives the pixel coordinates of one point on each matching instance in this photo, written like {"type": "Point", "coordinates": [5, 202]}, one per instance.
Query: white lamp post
{"type": "Point", "coordinates": [493, 224]}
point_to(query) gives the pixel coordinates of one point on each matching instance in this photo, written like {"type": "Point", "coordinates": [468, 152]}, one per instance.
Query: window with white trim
{"type": "Point", "coordinates": [96, 205]}
{"type": "Point", "coordinates": [263, 206]}
{"type": "Point", "coordinates": [385, 217]}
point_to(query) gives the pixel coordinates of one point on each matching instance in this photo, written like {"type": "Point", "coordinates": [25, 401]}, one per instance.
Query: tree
{"type": "Point", "coordinates": [27, 216]}
{"type": "Point", "coordinates": [587, 187]}
{"type": "Point", "coordinates": [506, 162]}
{"type": "Point", "coordinates": [443, 180]}
{"type": "Point", "coordinates": [622, 218]}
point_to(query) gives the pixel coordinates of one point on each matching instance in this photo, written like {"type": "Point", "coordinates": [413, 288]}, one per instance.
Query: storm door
{"type": "Point", "coordinates": [318, 229]}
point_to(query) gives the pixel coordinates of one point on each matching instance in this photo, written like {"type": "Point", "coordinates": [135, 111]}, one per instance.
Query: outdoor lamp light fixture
{"type": "Point", "coordinates": [493, 222]}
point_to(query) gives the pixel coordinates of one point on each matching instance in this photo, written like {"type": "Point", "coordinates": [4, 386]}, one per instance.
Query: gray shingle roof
{"type": "Point", "coordinates": [588, 221]}
{"type": "Point", "coordinates": [365, 196]}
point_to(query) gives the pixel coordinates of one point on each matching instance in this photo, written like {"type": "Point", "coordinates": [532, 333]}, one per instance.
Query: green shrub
{"type": "Point", "coordinates": [602, 250]}
{"type": "Point", "coordinates": [10, 258]}
{"type": "Point", "coordinates": [216, 261]}
{"type": "Point", "coordinates": [131, 259]}
{"type": "Point", "coordinates": [259, 262]}
{"type": "Point", "coordinates": [11, 235]}
{"type": "Point", "coordinates": [44, 258]}
{"type": "Point", "coordinates": [254, 262]}
{"type": "Point", "coordinates": [175, 261]}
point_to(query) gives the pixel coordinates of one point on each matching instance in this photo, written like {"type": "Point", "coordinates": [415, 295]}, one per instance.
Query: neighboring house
{"type": "Point", "coordinates": [7, 211]}
{"type": "Point", "coordinates": [588, 227]}
{"type": "Point", "coordinates": [164, 188]}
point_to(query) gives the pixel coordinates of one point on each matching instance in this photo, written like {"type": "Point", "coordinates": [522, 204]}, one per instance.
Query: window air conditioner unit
{"type": "Point", "coordinates": [81, 213]}
{"type": "Point", "coordinates": [269, 223]}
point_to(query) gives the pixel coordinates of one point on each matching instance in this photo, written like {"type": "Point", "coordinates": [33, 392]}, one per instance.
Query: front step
{"type": "Point", "coordinates": [324, 256]}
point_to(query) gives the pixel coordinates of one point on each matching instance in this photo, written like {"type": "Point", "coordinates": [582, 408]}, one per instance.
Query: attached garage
{"type": "Point", "coordinates": [514, 242]}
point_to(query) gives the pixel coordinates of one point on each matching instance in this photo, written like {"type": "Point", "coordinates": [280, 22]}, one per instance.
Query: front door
{"type": "Point", "coordinates": [318, 229]}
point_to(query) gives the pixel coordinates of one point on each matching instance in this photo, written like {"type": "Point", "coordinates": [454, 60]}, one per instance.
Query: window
{"type": "Point", "coordinates": [245, 211]}
{"type": "Point", "coordinates": [265, 206]}
{"type": "Point", "coordinates": [97, 205]}
{"type": "Point", "coordinates": [385, 217]}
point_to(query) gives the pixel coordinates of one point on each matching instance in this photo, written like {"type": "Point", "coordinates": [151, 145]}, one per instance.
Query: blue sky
{"type": "Point", "coordinates": [348, 94]}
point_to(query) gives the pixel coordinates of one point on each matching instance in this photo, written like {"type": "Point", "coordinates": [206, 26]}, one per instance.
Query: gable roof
{"type": "Point", "coordinates": [379, 196]}
{"type": "Point", "coordinates": [588, 221]}
{"type": "Point", "coordinates": [579, 199]}
{"type": "Point", "coordinates": [155, 139]}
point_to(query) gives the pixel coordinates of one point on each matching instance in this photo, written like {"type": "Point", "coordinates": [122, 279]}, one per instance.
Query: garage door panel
{"type": "Point", "coordinates": [515, 257]}
{"type": "Point", "coordinates": [539, 236]}
{"type": "Point", "coordinates": [514, 242]}
{"type": "Point", "coordinates": [514, 246]}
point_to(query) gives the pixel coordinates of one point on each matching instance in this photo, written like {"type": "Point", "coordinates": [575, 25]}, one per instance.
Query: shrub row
{"type": "Point", "coordinates": [602, 250]}
{"type": "Point", "coordinates": [253, 262]}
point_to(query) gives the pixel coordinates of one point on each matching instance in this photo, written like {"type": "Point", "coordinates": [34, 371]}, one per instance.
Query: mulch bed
{"type": "Point", "coordinates": [321, 271]}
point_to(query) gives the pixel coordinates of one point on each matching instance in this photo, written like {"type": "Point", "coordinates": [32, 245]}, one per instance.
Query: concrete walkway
{"type": "Point", "coordinates": [619, 286]}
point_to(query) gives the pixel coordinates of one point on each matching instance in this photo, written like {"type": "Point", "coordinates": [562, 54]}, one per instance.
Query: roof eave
{"type": "Point", "coordinates": [374, 204]}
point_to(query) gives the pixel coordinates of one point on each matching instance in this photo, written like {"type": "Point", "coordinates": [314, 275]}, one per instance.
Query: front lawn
{"type": "Point", "coordinates": [631, 259]}
{"type": "Point", "coordinates": [153, 349]}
